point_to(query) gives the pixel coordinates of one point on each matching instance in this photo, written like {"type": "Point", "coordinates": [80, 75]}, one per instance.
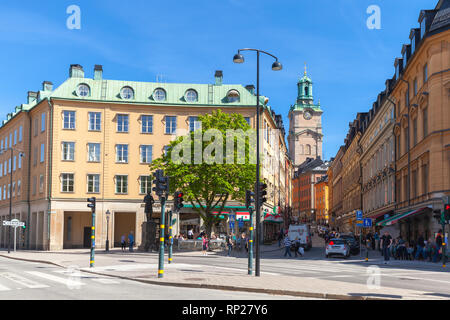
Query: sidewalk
{"type": "Point", "coordinates": [139, 266]}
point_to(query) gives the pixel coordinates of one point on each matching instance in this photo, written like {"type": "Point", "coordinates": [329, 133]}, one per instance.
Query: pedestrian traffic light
{"type": "Point", "coordinates": [447, 212]}
{"type": "Point", "coordinates": [24, 225]}
{"type": "Point", "coordinates": [161, 183]}
{"type": "Point", "coordinates": [262, 192]}
{"type": "Point", "coordinates": [178, 200]}
{"type": "Point", "coordinates": [249, 199]}
{"type": "Point", "coordinates": [91, 203]}
{"type": "Point", "coordinates": [149, 201]}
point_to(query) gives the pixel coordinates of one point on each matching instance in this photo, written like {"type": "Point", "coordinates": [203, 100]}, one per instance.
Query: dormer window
{"type": "Point", "coordinates": [83, 90]}
{"type": "Point", "coordinates": [191, 96]}
{"type": "Point", "coordinates": [233, 96]}
{"type": "Point", "coordinates": [127, 93]}
{"type": "Point", "coordinates": [404, 60]}
{"type": "Point", "coordinates": [422, 27]}
{"type": "Point", "coordinates": [159, 95]}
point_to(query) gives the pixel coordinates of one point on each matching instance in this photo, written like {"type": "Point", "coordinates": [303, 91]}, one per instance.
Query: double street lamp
{"type": "Point", "coordinates": [276, 66]}
{"type": "Point", "coordinates": [21, 154]}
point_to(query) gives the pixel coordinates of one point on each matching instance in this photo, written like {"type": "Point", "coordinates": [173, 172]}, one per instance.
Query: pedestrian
{"type": "Point", "coordinates": [386, 242]}
{"type": "Point", "coordinates": [377, 240]}
{"type": "Point", "coordinates": [229, 241]}
{"type": "Point", "coordinates": [190, 234]}
{"type": "Point", "coordinates": [280, 237]}
{"type": "Point", "coordinates": [131, 241]}
{"type": "Point", "coordinates": [243, 241]}
{"type": "Point", "coordinates": [204, 244]}
{"type": "Point", "coordinates": [123, 243]}
{"type": "Point", "coordinates": [438, 241]}
{"type": "Point", "coordinates": [287, 246]}
{"type": "Point", "coordinates": [297, 247]}
{"type": "Point", "coordinates": [420, 247]}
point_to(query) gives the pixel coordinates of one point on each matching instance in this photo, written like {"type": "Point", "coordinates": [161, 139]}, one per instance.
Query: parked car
{"type": "Point", "coordinates": [303, 233]}
{"type": "Point", "coordinates": [353, 242]}
{"type": "Point", "coordinates": [337, 247]}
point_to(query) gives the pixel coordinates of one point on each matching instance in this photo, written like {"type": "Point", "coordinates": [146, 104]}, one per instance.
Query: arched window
{"type": "Point", "coordinates": [306, 91]}
{"type": "Point", "coordinates": [233, 96]}
{"type": "Point", "coordinates": [308, 150]}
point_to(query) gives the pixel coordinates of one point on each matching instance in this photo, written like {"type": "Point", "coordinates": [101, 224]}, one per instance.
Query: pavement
{"type": "Point", "coordinates": [143, 267]}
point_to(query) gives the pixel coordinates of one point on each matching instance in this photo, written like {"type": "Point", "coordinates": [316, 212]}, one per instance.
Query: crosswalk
{"type": "Point", "coordinates": [24, 280]}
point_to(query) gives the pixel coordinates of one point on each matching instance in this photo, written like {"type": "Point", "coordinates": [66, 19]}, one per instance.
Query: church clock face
{"type": "Point", "coordinates": [307, 115]}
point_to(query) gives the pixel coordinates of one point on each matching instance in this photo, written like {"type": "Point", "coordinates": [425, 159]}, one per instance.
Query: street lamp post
{"type": "Point", "coordinates": [107, 230]}
{"type": "Point", "coordinates": [276, 66]}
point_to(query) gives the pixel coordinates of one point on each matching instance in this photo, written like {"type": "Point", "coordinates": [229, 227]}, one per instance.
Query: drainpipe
{"type": "Point", "coordinates": [29, 182]}
{"type": "Point", "coordinates": [49, 182]}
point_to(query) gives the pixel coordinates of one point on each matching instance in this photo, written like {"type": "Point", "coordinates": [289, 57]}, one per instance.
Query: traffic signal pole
{"type": "Point", "coordinates": [92, 261]}
{"type": "Point", "coordinates": [161, 237]}
{"type": "Point", "coordinates": [250, 244]}
{"type": "Point", "coordinates": [170, 237]}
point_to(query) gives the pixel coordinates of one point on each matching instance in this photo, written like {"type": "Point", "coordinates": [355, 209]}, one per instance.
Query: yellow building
{"type": "Point", "coordinates": [322, 200]}
{"type": "Point", "coordinates": [92, 137]}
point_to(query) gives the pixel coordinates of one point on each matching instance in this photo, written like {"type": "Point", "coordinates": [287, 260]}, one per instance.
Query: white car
{"type": "Point", "coordinates": [337, 247]}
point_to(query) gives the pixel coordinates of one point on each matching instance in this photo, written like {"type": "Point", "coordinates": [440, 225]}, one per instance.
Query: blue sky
{"type": "Point", "coordinates": [186, 41]}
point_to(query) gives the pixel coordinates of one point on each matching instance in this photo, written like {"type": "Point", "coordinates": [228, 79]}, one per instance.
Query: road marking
{"type": "Point", "coordinates": [3, 288]}
{"type": "Point", "coordinates": [105, 281]}
{"type": "Point", "coordinates": [22, 281]}
{"type": "Point", "coordinates": [65, 281]}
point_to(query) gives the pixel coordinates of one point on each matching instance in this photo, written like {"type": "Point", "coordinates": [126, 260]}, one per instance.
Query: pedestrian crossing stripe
{"type": "Point", "coordinates": [22, 281]}
{"type": "Point", "coordinates": [66, 281]}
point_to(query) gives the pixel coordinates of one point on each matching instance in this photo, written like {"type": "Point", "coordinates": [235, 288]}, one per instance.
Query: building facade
{"type": "Point", "coordinates": [92, 137]}
{"type": "Point", "coordinates": [322, 200]}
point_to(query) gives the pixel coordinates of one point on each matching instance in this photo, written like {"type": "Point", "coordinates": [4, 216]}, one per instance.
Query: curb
{"type": "Point", "coordinates": [327, 296]}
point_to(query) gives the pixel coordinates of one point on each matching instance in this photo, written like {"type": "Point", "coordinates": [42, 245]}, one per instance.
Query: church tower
{"type": "Point", "coordinates": [305, 124]}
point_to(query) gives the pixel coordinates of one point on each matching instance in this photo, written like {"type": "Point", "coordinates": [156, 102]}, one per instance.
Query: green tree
{"type": "Point", "coordinates": [206, 181]}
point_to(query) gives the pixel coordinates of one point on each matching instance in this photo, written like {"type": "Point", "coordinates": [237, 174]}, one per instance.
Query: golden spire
{"type": "Point", "coordinates": [305, 68]}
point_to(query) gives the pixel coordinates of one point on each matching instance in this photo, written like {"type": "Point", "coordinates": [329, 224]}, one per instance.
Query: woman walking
{"type": "Point", "coordinates": [204, 244]}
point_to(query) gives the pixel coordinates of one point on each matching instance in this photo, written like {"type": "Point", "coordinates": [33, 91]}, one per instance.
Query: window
{"type": "Point", "coordinates": [2, 145]}
{"type": "Point", "coordinates": [4, 192]}
{"type": "Point", "coordinates": [68, 151]}
{"type": "Point", "coordinates": [233, 96]}
{"type": "Point", "coordinates": [425, 73]}
{"type": "Point", "coordinates": [6, 168]}
{"type": "Point", "coordinates": [122, 153]}
{"type": "Point", "coordinates": [34, 185]}
{"type": "Point", "coordinates": [147, 124]}
{"type": "Point", "coordinates": [166, 150]}
{"type": "Point", "coordinates": [10, 140]}
{"type": "Point", "coordinates": [69, 120]}
{"type": "Point", "coordinates": [194, 124]}
{"type": "Point", "coordinates": [9, 167]}
{"type": "Point", "coordinates": [191, 96]}
{"type": "Point", "coordinates": [36, 124]}
{"type": "Point", "coordinates": [18, 188]}
{"type": "Point", "coordinates": [422, 28]}
{"type": "Point", "coordinates": [15, 137]}
{"type": "Point", "coordinates": [414, 184]}
{"type": "Point", "coordinates": [308, 149]}
{"type": "Point", "coordinates": [43, 122]}
{"type": "Point", "coordinates": [9, 190]}
{"type": "Point", "coordinates": [425, 122]}
{"type": "Point", "coordinates": [171, 125]}
{"type": "Point", "coordinates": [93, 183]}
{"type": "Point", "coordinates": [42, 152]}
{"type": "Point", "coordinates": [95, 121]}
{"type": "Point", "coordinates": [1, 169]}
{"type": "Point", "coordinates": [20, 134]}
{"type": "Point", "coordinates": [41, 183]}
{"type": "Point", "coordinates": [20, 161]}
{"type": "Point", "coordinates": [122, 184]}
{"type": "Point", "coordinates": [414, 131]}
{"type": "Point", "coordinates": [146, 184]}
{"type": "Point", "coordinates": [83, 90]}
{"type": "Point", "coordinates": [67, 182]}
{"type": "Point", "coordinates": [122, 123]}
{"type": "Point", "coordinates": [14, 163]}
{"type": "Point", "coordinates": [94, 152]}
{"type": "Point", "coordinates": [415, 86]}
{"type": "Point", "coordinates": [425, 178]}
{"type": "Point", "coordinates": [127, 93]}
{"type": "Point", "coordinates": [159, 95]}
{"type": "Point", "coordinates": [146, 154]}
{"type": "Point", "coordinates": [248, 120]}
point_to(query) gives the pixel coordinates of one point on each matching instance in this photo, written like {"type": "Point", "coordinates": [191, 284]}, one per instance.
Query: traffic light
{"type": "Point", "coordinates": [91, 203]}
{"type": "Point", "coordinates": [24, 226]}
{"type": "Point", "coordinates": [178, 200]}
{"type": "Point", "coordinates": [161, 183]}
{"type": "Point", "coordinates": [249, 198]}
{"type": "Point", "coordinates": [447, 212]}
{"type": "Point", "coordinates": [149, 201]}
{"type": "Point", "coordinates": [262, 192]}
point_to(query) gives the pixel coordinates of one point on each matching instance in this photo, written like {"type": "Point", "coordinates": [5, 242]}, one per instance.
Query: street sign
{"type": "Point", "coordinates": [232, 218]}
{"type": "Point", "coordinates": [359, 218]}
{"type": "Point", "coordinates": [241, 223]}
{"type": "Point", "coordinates": [14, 223]}
{"type": "Point", "coordinates": [367, 223]}
{"type": "Point", "coordinates": [231, 225]}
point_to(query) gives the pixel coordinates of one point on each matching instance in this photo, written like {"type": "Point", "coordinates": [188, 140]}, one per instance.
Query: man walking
{"type": "Point", "coordinates": [386, 242]}
{"type": "Point", "coordinates": [229, 241]}
{"type": "Point", "coordinates": [131, 241]}
{"type": "Point", "coordinates": [287, 246]}
{"type": "Point", "coordinates": [437, 253]}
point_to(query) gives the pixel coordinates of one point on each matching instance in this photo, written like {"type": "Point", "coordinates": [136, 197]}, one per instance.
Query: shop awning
{"type": "Point", "coordinates": [273, 218]}
{"type": "Point", "coordinates": [392, 220]}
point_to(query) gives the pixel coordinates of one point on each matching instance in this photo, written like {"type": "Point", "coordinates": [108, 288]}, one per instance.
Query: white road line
{"type": "Point", "coordinates": [3, 288]}
{"type": "Point", "coordinates": [22, 281]}
{"type": "Point", "coordinates": [105, 281]}
{"type": "Point", "coordinates": [65, 281]}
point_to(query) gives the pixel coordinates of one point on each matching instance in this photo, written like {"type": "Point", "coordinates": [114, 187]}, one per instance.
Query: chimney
{"type": "Point", "coordinates": [250, 88]}
{"type": "Point", "coordinates": [98, 72]}
{"type": "Point", "coordinates": [32, 96]}
{"type": "Point", "coordinates": [76, 71]}
{"type": "Point", "coordinates": [219, 77]}
{"type": "Point", "coordinates": [47, 86]}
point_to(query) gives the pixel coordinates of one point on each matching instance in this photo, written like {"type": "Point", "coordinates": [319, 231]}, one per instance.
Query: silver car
{"type": "Point", "coordinates": [337, 247]}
